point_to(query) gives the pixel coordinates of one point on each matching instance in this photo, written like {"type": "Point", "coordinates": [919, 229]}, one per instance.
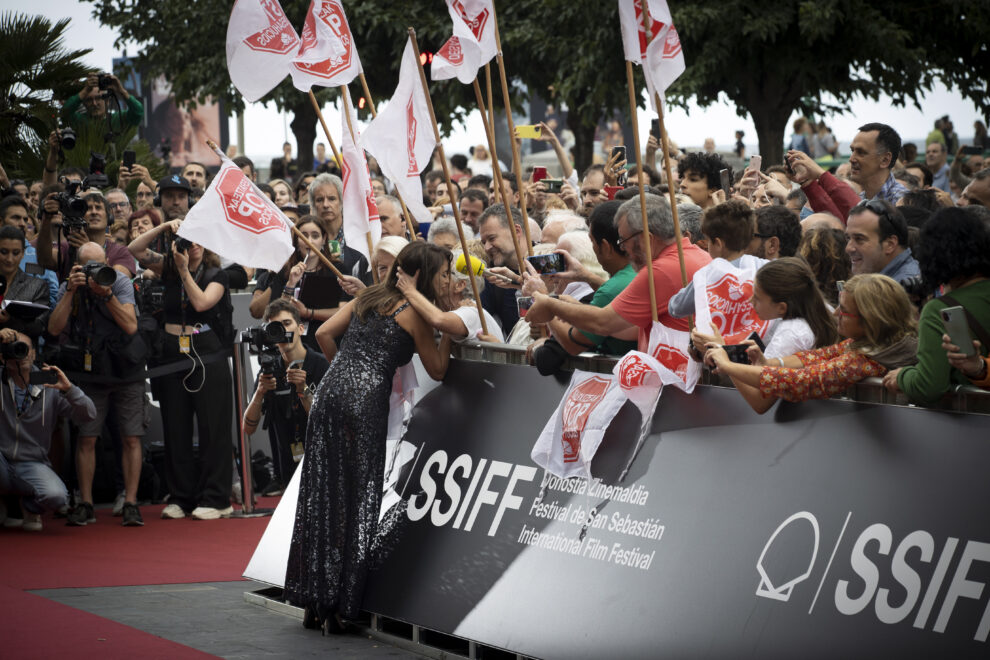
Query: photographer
{"type": "Point", "coordinates": [99, 89]}
{"type": "Point", "coordinates": [198, 330]}
{"type": "Point", "coordinates": [96, 323]}
{"type": "Point", "coordinates": [284, 389]}
{"type": "Point", "coordinates": [80, 220]}
{"type": "Point", "coordinates": [20, 285]}
{"type": "Point", "coordinates": [28, 414]}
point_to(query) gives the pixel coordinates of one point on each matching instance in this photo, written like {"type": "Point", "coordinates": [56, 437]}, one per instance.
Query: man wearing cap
{"type": "Point", "coordinates": [173, 197]}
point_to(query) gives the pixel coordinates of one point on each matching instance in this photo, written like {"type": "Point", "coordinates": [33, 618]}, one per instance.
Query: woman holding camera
{"type": "Point", "coordinates": [20, 285]}
{"type": "Point", "coordinates": [197, 317]}
{"type": "Point", "coordinates": [341, 487]}
{"type": "Point", "coordinates": [877, 320]}
{"type": "Point", "coordinates": [954, 253]}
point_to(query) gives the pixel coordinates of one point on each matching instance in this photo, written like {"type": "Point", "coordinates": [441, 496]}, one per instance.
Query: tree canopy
{"type": "Point", "coordinates": [769, 61]}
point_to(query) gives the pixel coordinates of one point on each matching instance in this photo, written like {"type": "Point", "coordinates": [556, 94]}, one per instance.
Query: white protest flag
{"type": "Point", "coordinates": [571, 437]}
{"type": "Point", "coordinates": [669, 348]}
{"type": "Point", "coordinates": [401, 137]}
{"type": "Point", "coordinates": [660, 54]}
{"type": "Point", "coordinates": [639, 378]}
{"type": "Point", "coordinates": [723, 294]}
{"type": "Point", "coordinates": [358, 205]}
{"type": "Point", "coordinates": [260, 46]}
{"type": "Point", "coordinates": [238, 222]}
{"type": "Point", "coordinates": [473, 44]}
{"type": "Point", "coordinates": [327, 55]}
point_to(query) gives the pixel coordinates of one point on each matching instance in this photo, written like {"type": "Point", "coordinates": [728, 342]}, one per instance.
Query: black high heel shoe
{"type": "Point", "coordinates": [311, 620]}
{"type": "Point", "coordinates": [333, 625]}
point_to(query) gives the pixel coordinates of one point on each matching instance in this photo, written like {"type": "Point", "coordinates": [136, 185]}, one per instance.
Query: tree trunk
{"type": "Point", "coordinates": [771, 129]}
{"type": "Point", "coordinates": [304, 128]}
{"type": "Point", "coordinates": [584, 141]}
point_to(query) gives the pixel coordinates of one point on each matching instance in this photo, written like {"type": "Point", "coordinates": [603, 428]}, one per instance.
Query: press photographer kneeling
{"type": "Point", "coordinates": [28, 416]}
{"type": "Point", "coordinates": [197, 320]}
{"type": "Point", "coordinates": [96, 325]}
{"type": "Point", "coordinates": [284, 389]}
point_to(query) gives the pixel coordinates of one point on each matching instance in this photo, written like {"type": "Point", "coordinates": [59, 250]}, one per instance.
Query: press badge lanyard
{"type": "Point", "coordinates": [185, 341]}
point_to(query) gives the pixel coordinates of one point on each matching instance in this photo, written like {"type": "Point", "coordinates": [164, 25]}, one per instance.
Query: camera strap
{"type": "Point", "coordinates": [184, 341]}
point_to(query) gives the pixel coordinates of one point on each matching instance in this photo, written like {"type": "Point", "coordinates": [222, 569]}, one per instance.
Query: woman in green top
{"type": "Point", "coordinates": [954, 252]}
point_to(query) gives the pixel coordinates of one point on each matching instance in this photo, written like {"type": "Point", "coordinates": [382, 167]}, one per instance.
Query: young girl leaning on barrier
{"type": "Point", "coordinates": [877, 320]}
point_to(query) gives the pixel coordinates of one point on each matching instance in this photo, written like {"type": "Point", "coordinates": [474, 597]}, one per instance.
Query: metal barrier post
{"type": "Point", "coordinates": [242, 384]}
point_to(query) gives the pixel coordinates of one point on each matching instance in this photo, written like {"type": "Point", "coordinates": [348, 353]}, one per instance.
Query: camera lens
{"type": "Point", "coordinates": [68, 140]}
{"type": "Point", "coordinates": [17, 350]}
{"type": "Point", "coordinates": [273, 333]}
{"type": "Point", "coordinates": [182, 244]}
{"type": "Point", "coordinates": [100, 273]}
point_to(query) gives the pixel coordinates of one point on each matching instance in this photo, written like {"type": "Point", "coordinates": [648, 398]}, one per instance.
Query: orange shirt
{"type": "Point", "coordinates": [827, 371]}
{"type": "Point", "coordinates": [633, 304]}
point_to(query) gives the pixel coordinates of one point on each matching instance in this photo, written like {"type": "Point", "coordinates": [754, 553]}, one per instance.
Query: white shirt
{"type": "Point", "coordinates": [469, 314]}
{"type": "Point", "coordinates": [788, 337]}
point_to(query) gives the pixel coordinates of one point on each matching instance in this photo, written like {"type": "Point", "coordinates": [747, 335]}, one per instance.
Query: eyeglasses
{"type": "Point", "coordinates": [119, 205]}
{"type": "Point", "coordinates": [631, 236]}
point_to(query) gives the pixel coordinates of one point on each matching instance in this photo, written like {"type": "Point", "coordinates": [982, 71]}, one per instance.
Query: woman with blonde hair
{"type": "Point", "coordinates": [877, 320]}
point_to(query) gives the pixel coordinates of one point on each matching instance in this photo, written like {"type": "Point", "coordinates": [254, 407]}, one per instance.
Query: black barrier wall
{"type": "Point", "coordinates": [822, 529]}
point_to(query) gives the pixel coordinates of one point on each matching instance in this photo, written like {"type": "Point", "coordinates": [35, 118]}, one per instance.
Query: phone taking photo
{"type": "Point", "coordinates": [957, 327]}
{"type": "Point", "coordinates": [539, 173]}
{"type": "Point", "coordinates": [726, 182]}
{"type": "Point", "coordinates": [547, 264]}
{"type": "Point", "coordinates": [620, 151]}
{"type": "Point", "coordinates": [529, 131]}
{"type": "Point", "coordinates": [48, 377]}
{"type": "Point", "coordinates": [130, 157]}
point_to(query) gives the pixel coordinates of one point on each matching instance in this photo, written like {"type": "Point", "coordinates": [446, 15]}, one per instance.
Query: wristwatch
{"type": "Point", "coordinates": [307, 392]}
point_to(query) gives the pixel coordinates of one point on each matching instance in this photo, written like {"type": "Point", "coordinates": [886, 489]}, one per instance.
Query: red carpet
{"type": "Point", "coordinates": [105, 554]}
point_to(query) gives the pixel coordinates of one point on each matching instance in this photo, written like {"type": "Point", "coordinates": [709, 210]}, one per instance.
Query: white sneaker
{"type": "Point", "coordinates": [173, 512]}
{"type": "Point", "coordinates": [118, 504]}
{"type": "Point", "coordinates": [32, 522]}
{"type": "Point", "coordinates": [209, 513]}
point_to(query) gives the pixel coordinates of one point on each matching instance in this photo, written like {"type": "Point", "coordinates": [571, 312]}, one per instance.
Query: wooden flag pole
{"type": "Point", "coordinates": [516, 164]}
{"type": "Point", "coordinates": [326, 131]}
{"type": "Point", "coordinates": [646, 240]}
{"type": "Point", "coordinates": [345, 95]}
{"type": "Point", "coordinates": [398, 195]}
{"type": "Point", "coordinates": [491, 115]}
{"type": "Point", "coordinates": [326, 262]}
{"type": "Point", "coordinates": [490, 135]}
{"type": "Point", "coordinates": [665, 145]}
{"type": "Point", "coordinates": [450, 184]}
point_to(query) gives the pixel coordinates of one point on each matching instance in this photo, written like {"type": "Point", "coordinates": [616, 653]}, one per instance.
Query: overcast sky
{"type": "Point", "coordinates": [266, 128]}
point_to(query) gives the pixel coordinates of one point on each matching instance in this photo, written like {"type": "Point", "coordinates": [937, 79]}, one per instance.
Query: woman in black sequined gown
{"type": "Point", "coordinates": [341, 483]}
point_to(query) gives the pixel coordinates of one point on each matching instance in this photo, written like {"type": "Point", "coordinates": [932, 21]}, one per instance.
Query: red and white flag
{"type": "Point", "coordinates": [401, 137]}
{"type": "Point", "coordinates": [260, 46]}
{"type": "Point", "coordinates": [571, 437]}
{"type": "Point", "coordinates": [327, 56]}
{"type": "Point", "coordinates": [723, 294]}
{"type": "Point", "coordinates": [669, 348]}
{"type": "Point", "coordinates": [659, 53]}
{"type": "Point", "coordinates": [238, 222]}
{"type": "Point", "coordinates": [359, 207]}
{"type": "Point", "coordinates": [473, 43]}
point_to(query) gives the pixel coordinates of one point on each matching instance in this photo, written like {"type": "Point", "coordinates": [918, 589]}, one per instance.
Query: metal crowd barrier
{"type": "Point", "coordinates": [964, 398]}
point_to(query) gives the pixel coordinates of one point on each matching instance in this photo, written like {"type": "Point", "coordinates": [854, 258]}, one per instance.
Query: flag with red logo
{"type": "Point", "coordinates": [473, 43]}
{"type": "Point", "coordinates": [358, 205]}
{"type": "Point", "coordinates": [401, 137]}
{"type": "Point", "coordinates": [260, 46]}
{"type": "Point", "coordinates": [327, 55]}
{"type": "Point", "coordinates": [659, 52]}
{"type": "Point", "coordinates": [723, 295]}
{"type": "Point", "coordinates": [669, 348]}
{"type": "Point", "coordinates": [239, 222]}
{"type": "Point", "coordinates": [571, 437]}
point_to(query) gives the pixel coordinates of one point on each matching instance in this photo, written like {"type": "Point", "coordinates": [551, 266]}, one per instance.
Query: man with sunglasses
{"type": "Point", "coordinates": [878, 235]}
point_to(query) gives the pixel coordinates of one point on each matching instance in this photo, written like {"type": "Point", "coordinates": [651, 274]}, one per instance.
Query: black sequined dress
{"type": "Point", "coordinates": [341, 484]}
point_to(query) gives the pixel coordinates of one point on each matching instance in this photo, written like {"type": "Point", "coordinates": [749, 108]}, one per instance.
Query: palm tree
{"type": "Point", "coordinates": [37, 75]}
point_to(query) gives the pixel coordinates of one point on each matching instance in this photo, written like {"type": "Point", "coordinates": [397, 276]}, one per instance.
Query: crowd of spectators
{"type": "Point", "coordinates": [855, 268]}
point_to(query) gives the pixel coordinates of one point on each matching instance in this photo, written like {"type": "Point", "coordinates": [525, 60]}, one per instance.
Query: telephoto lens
{"type": "Point", "coordinates": [15, 350]}
{"type": "Point", "coordinates": [67, 139]}
{"type": "Point", "coordinates": [100, 273]}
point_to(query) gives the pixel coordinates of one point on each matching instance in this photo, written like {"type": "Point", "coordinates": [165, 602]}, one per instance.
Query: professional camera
{"type": "Point", "coordinates": [100, 273]}
{"type": "Point", "coordinates": [150, 295]}
{"type": "Point", "coordinates": [67, 139]}
{"type": "Point", "coordinates": [264, 342]}
{"type": "Point", "coordinates": [97, 172]}
{"type": "Point", "coordinates": [182, 244]}
{"type": "Point", "coordinates": [72, 206]}
{"type": "Point", "coordinates": [104, 81]}
{"type": "Point", "coordinates": [15, 350]}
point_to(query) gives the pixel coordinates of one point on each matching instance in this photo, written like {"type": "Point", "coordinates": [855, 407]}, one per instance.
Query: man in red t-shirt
{"type": "Point", "coordinates": [629, 314]}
